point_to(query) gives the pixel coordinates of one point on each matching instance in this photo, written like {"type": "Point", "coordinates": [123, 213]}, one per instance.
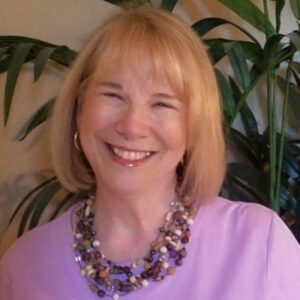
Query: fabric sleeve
{"type": "Point", "coordinates": [6, 292]}
{"type": "Point", "coordinates": [283, 262]}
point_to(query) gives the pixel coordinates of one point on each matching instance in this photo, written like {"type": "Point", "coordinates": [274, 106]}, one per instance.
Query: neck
{"type": "Point", "coordinates": [130, 221]}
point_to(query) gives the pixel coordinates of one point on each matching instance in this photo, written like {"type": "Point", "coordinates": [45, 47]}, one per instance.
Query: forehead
{"type": "Point", "coordinates": [142, 64]}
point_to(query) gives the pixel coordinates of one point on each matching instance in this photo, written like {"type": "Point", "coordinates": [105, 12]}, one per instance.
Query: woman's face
{"type": "Point", "coordinates": [132, 130]}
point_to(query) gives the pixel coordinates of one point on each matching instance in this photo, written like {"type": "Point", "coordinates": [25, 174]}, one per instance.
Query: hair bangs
{"type": "Point", "coordinates": [145, 49]}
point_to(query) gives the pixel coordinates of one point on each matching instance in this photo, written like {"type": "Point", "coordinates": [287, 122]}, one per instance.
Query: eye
{"type": "Point", "coordinates": [164, 105]}
{"type": "Point", "coordinates": [113, 95]}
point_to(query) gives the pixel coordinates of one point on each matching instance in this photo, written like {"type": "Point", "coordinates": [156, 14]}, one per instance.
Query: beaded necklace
{"type": "Point", "coordinates": [106, 278]}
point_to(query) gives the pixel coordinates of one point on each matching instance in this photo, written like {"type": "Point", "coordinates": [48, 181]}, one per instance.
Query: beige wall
{"type": "Point", "coordinates": [69, 22]}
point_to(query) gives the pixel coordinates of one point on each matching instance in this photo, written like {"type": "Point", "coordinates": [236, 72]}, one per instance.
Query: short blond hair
{"type": "Point", "coordinates": [177, 55]}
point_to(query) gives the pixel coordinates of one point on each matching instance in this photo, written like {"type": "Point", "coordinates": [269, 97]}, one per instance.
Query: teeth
{"type": "Point", "coordinates": [130, 155]}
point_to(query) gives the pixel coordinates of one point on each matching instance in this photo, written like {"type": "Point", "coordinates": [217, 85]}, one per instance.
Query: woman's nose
{"type": "Point", "coordinates": [133, 124]}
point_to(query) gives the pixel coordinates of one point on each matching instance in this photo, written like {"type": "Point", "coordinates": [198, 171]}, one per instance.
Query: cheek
{"type": "Point", "coordinates": [174, 134]}
{"type": "Point", "coordinates": [94, 117]}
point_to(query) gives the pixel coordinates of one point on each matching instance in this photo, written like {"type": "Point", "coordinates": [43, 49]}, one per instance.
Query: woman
{"type": "Point", "coordinates": [138, 124]}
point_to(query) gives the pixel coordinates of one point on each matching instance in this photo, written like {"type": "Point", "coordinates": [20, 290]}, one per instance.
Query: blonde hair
{"type": "Point", "coordinates": [176, 54]}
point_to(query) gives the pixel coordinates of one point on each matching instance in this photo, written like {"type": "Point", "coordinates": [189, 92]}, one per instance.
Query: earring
{"type": "Point", "coordinates": [76, 141]}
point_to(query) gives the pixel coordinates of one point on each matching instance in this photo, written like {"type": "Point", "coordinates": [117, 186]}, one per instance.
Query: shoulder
{"type": "Point", "coordinates": [246, 223]}
{"type": "Point", "coordinates": [237, 213]}
{"type": "Point", "coordinates": [39, 242]}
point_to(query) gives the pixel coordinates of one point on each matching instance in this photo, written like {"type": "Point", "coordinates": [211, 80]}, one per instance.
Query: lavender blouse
{"type": "Point", "coordinates": [237, 251]}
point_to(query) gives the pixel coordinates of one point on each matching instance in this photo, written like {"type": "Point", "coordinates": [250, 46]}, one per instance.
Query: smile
{"type": "Point", "coordinates": [130, 155]}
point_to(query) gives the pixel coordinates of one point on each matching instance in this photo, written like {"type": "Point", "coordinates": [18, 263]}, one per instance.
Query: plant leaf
{"type": "Point", "coordinates": [226, 92]}
{"type": "Point", "coordinates": [116, 2]}
{"type": "Point", "coordinates": [9, 40]}
{"type": "Point", "coordinates": [295, 38]}
{"type": "Point", "coordinates": [248, 119]}
{"type": "Point", "coordinates": [2, 51]}
{"type": "Point", "coordinates": [294, 97]}
{"type": "Point", "coordinates": [252, 51]}
{"type": "Point", "coordinates": [278, 9]}
{"type": "Point", "coordinates": [295, 6]}
{"type": "Point", "coordinates": [25, 199]}
{"type": "Point", "coordinates": [63, 55]}
{"type": "Point", "coordinates": [68, 198]}
{"type": "Point", "coordinates": [250, 13]}
{"type": "Point", "coordinates": [38, 117]}
{"type": "Point", "coordinates": [251, 179]}
{"type": "Point", "coordinates": [43, 198]}
{"type": "Point", "coordinates": [13, 73]}
{"type": "Point", "coordinates": [168, 4]}
{"type": "Point", "coordinates": [204, 26]}
{"type": "Point", "coordinates": [41, 61]}
{"type": "Point", "coordinates": [249, 122]}
{"type": "Point", "coordinates": [296, 66]}
{"type": "Point", "coordinates": [272, 51]}
{"type": "Point", "coordinates": [246, 147]}
{"type": "Point", "coordinates": [239, 65]}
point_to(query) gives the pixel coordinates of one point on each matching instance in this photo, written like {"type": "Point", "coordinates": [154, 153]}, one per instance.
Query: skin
{"type": "Point", "coordinates": [131, 113]}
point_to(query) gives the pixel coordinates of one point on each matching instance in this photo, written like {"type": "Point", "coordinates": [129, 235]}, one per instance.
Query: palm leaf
{"type": "Point", "coordinates": [168, 4]}
{"type": "Point", "coordinates": [226, 92]}
{"type": "Point", "coordinates": [295, 6]}
{"type": "Point", "coordinates": [69, 198]}
{"type": "Point", "coordinates": [41, 60]}
{"type": "Point", "coordinates": [278, 10]}
{"type": "Point", "coordinates": [28, 196]}
{"type": "Point", "coordinates": [250, 13]}
{"type": "Point", "coordinates": [43, 198]}
{"type": "Point", "coordinates": [12, 75]}
{"type": "Point", "coordinates": [204, 26]}
{"type": "Point", "coordinates": [38, 117]}
{"type": "Point", "coordinates": [239, 65]}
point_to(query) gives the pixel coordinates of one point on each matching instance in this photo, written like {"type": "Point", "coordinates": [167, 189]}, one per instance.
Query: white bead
{"type": "Point", "coordinates": [145, 282]}
{"type": "Point", "coordinates": [78, 235]}
{"type": "Point", "coordinates": [91, 272]}
{"type": "Point", "coordinates": [134, 265]}
{"type": "Point", "coordinates": [96, 243]}
{"type": "Point", "coordinates": [163, 250]}
{"type": "Point", "coordinates": [168, 238]}
{"type": "Point", "coordinates": [173, 243]}
{"type": "Point", "coordinates": [116, 296]}
{"type": "Point", "coordinates": [87, 211]}
{"type": "Point", "coordinates": [190, 221]}
{"type": "Point", "coordinates": [178, 232]}
{"type": "Point", "coordinates": [74, 245]}
{"type": "Point", "coordinates": [181, 208]}
{"type": "Point", "coordinates": [165, 265]}
{"type": "Point", "coordinates": [132, 279]}
{"type": "Point", "coordinates": [88, 267]}
{"type": "Point", "coordinates": [168, 216]}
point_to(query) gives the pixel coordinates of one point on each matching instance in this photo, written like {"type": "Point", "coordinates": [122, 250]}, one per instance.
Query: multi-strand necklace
{"type": "Point", "coordinates": [107, 278]}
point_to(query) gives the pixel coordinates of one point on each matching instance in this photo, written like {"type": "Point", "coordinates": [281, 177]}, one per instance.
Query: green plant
{"type": "Point", "coordinates": [271, 173]}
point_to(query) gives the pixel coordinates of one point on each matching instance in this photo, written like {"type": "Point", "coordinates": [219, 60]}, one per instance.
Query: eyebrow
{"type": "Point", "coordinates": [165, 95]}
{"type": "Point", "coordinates": [111, 84]}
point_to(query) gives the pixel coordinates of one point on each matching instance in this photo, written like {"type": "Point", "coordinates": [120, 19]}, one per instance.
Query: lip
{"type": "Point", "coordinates": [144, 154]}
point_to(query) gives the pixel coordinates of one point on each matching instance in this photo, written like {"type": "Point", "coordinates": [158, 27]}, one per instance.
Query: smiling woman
{"type": "Point", "coordinates": [138, 126]}
{"type": "Point", "coordinates": [157, 48]}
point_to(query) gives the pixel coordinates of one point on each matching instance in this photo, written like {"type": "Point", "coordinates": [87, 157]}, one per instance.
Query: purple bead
{"type": "Point", "coordinates": [100, 293]}
{"type": "Point", "coordinates": [173, 253]}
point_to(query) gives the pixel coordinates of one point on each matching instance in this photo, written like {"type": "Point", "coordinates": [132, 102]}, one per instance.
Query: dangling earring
{"type": "Point", "coordinates": [76, 141]}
